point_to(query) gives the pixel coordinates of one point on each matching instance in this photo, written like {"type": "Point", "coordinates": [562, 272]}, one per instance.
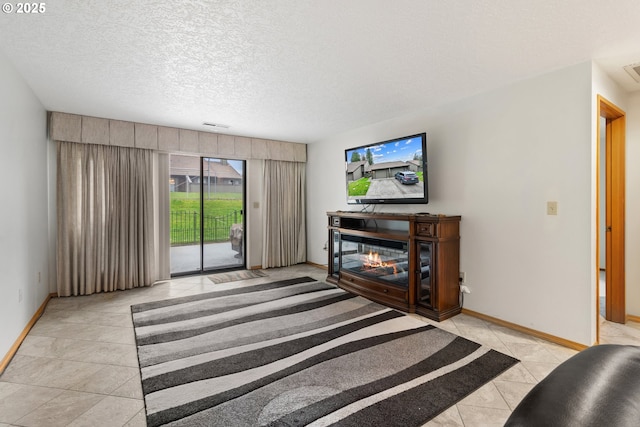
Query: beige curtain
{"type": "Point", "coordinates": [105, 218]}
{"type": "Point", "coordinates": [162, 217]}
{"type": "Point", "coordinates": [284, 222]}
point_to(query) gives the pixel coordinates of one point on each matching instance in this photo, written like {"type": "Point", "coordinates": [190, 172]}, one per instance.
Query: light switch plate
{"type": "Point", "coordinates": [552, 208]}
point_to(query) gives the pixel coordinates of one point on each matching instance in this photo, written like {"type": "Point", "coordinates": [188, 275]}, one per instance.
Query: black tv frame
{"type": "Point", "coordinates": [364, 200]}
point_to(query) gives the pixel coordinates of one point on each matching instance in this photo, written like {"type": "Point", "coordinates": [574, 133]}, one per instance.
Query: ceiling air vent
{"type": "Point", "coordinates": [221, 126]}
{"type": "Point", "coordinates": [634, 71]}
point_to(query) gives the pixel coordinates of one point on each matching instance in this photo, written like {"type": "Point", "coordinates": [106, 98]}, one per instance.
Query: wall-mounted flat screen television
{"type": "Point", "coordinates": [393, 171]}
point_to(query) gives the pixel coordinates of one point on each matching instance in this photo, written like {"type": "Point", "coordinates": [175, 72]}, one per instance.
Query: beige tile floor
{"type": "Point", "coordinates": [78, 365]}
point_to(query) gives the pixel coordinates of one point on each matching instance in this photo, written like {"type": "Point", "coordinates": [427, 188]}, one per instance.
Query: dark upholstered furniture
{"type": "Point", "coordinates": [599, 386]}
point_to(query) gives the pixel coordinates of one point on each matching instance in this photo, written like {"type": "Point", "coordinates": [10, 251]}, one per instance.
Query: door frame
{"type": "Point", "coordinates": [615, 117]}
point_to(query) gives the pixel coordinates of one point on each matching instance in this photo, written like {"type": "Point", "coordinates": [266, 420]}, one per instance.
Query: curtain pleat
{"type": "Point", "coordinates": [105, 218]}
{"type": "Point", "coordinates": [284, 225]}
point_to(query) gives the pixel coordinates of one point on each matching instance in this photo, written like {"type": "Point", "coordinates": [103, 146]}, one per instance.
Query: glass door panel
{"type": "Point", "coordinates": [184, 214]}
{"type": "Point", "coordinates": [207, 214]}
{"type": "Point", "coordinates": [223, 213]}
{"type": "Point", "coordinates": [425, 262]}
{"type": "Point", "coordinates": [335, 248]}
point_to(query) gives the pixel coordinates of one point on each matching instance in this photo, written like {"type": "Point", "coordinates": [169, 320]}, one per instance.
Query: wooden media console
{"type": "Point", "coordinates": [410, 262]}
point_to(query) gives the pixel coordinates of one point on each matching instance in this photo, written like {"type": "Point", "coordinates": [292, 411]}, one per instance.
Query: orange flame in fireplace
{"type": "Point", "coordinates": [373, 260]}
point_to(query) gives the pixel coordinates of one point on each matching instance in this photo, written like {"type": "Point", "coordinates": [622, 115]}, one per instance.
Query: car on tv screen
{"type": "Point", "coordinates": [407, 177]}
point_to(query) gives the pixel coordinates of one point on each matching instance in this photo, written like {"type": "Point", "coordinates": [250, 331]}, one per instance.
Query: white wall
{"type": "Point", "coordinates": [255, 178]}
{"type": "Point", "coordinates": [632, 215]}
{"type": "Point", "coordinates": [24, 212]}
{"type": "Point", "coordinates": [496, 159]}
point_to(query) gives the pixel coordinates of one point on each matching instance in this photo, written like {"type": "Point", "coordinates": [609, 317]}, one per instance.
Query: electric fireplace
{"type": "Point", "coordinates": [378, 259]}
{"type": "Point", "coordinates": [409, 262]}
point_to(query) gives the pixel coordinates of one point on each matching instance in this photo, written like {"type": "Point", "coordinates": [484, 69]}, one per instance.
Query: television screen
{"type": "Point", "coordinates": [393, 171]}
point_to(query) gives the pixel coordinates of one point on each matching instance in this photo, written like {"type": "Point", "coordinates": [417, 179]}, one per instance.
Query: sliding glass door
{"type": "Point", "coordinates": [207, 214]}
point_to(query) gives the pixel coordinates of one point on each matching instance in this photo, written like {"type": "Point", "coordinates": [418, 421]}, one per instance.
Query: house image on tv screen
{"type": "Point", "coordinates": [390, 169]}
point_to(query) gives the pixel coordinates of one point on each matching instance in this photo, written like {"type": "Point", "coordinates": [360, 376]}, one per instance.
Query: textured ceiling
{"type": "Point", "coordinates": [302, 70]}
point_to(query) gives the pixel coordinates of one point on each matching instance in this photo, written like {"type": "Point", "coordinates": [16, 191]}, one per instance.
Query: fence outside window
{"type": "Point", "coordinates": [185, 227]}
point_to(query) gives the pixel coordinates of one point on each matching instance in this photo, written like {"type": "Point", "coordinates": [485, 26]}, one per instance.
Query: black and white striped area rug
{"type": "Point", "coordinates": [299, 352]}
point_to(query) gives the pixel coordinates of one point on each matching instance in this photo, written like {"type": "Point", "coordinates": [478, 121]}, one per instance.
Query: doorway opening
{"type": "Point", "coordinates": [610, 216]}
{"type": "Point", "coordinates": [206, 214]}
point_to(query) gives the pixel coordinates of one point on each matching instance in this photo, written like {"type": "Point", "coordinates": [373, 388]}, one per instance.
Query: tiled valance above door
{"type": "Point", "coordinates": [93, 130]}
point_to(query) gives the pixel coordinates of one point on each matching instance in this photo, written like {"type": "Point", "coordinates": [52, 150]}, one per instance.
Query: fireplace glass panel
{"type": "Point", "coordinates": [424, 290]}
{"type": "Point", "coordinates": [379, 259]}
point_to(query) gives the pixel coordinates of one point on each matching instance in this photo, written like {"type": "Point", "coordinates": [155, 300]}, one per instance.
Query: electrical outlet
{"type": "Point", "coordinates": [552, 208]}
{"type": "Point", "coordinates": [463, 277]}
